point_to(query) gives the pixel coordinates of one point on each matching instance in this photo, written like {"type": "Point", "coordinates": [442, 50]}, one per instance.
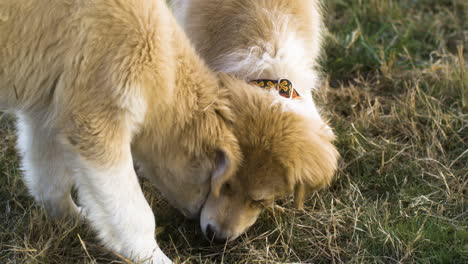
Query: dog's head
{"type": "Point", "coordinates": [198, 146]}
{"type": "Point", "coordinates": [284, 152]}
{"type": "Point", "coordinates": [184, 179]}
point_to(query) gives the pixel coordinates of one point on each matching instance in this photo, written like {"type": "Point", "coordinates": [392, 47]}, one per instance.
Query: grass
{"type": "Point", "coordinates": [395, 92]}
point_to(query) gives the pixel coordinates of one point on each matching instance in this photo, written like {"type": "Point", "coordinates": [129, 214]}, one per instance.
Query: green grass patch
{"type": "Point", "coordinates": [395, 91]}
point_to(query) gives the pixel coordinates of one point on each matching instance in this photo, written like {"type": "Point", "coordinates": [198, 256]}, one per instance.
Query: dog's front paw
{"type": "Point", "coordinates": [150, 255]}
{"type": "Point", "coordinates": [160, 258]}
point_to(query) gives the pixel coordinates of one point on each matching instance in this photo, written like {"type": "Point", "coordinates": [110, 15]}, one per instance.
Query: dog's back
{"type": "Point", "coordinates": [246, 30]}
{"type": "Point", "coordinates": [29, 45]}
{"type": "Point", "coordinates": [41, 43]}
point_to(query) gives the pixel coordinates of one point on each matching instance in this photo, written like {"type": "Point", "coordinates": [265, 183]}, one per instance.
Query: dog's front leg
{"type": "Point", "coordinates": [109, 191]}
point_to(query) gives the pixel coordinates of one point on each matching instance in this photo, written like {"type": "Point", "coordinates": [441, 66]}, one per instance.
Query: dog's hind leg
{"type": "Point", "coordinates": [44, 164]}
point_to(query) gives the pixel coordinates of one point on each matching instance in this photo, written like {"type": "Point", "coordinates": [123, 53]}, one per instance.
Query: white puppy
{"type": "Point", "coordinates": [274, 44]}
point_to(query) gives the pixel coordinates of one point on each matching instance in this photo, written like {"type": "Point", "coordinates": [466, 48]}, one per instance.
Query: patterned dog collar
{"type": "Point", "coordinates": [283, 86]}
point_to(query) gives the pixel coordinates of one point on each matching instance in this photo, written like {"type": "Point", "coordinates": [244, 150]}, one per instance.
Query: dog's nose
{"type": "Point", "coordinates": [210, 233]}
{"type": "Point", "coordinates": [212, 236]}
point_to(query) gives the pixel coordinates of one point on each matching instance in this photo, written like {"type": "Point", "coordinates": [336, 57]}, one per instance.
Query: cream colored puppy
{"type": "Point", "coordinates": [99, 84]}
{"type": "Point", "coordinates": [273, 44]}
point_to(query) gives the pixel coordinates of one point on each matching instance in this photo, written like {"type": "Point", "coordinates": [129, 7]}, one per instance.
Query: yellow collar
{"type": "Point", "coordinates": [283, 86]}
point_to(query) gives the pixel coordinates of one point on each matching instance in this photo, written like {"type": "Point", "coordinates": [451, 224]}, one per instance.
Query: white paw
{"type": "Point", "coordinates": [158, 257]}
{"type": "Point", "coordinates": [155, 256]}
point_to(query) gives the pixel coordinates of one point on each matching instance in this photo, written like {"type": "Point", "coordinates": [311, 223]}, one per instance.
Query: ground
{"type": "Point", "coordinates": [395, 88]}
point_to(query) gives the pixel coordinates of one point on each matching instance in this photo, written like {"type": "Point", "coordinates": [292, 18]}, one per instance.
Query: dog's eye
{"type": "Point", "coordinates": [227, 188]}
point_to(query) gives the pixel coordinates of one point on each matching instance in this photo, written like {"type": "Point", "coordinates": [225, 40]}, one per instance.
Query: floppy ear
{"type": "Point", "coordinates": [313, 169]}
{"type": "Point", "coordinates": [226, 164]}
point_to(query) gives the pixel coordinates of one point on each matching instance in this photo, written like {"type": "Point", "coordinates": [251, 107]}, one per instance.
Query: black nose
{"type": "Point", "coordinates": [210, 233]}
{"type": "Point", "coordinates": [212, 236]}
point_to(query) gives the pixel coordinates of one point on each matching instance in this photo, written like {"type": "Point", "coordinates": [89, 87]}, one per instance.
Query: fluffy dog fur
{"type": "Point", "coordinates": [264, 39]}
{"type": "Point", "coordinates": [98, 84]}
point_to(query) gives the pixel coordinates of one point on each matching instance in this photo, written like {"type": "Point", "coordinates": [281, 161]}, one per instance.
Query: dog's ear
{"type": "Point", "coordinates": [312, 168]}
{"type": "Point", "coordinates": [226, 163]}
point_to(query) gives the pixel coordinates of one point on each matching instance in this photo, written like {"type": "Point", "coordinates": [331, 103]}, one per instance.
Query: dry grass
{"type": "Point", "coordinates": [396, 94]}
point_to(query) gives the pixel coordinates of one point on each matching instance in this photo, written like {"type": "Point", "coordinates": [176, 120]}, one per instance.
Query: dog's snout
{"type": "Point", "coordinates": [211, 235]}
